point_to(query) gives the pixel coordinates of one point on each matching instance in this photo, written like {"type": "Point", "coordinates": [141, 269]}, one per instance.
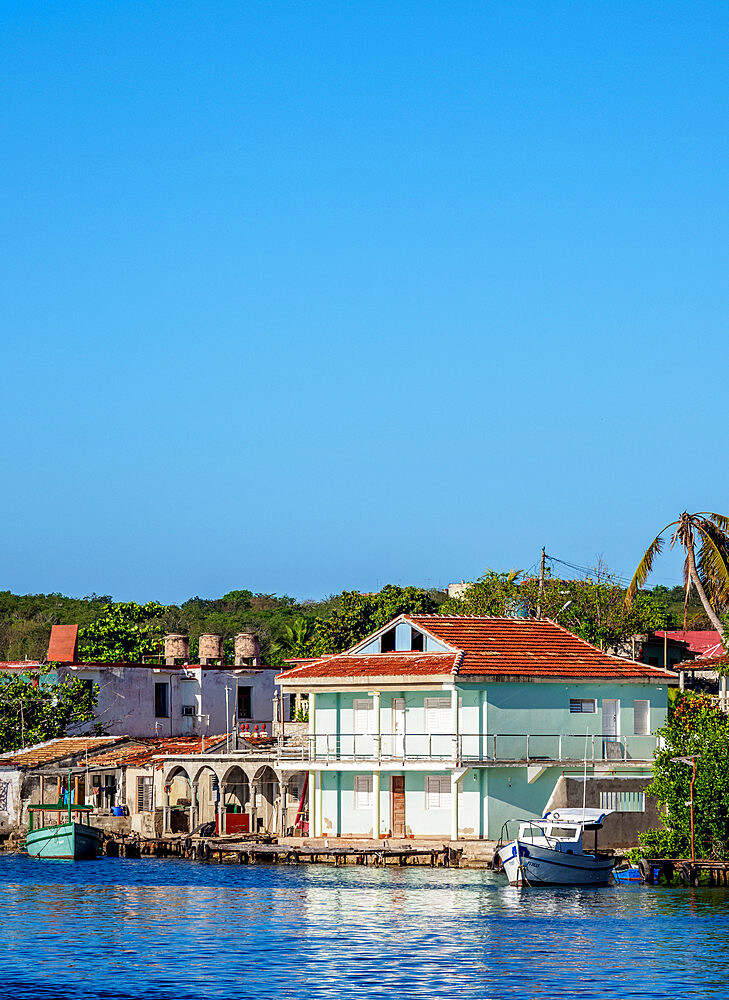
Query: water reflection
{"type": "Point", "coordinates": [164, 928]}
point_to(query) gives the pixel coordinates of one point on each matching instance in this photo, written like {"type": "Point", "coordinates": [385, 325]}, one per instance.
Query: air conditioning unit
{"type": "Point", "coordinates": [189, 710]}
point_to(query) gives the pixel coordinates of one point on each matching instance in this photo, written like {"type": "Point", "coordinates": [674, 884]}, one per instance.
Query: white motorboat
{"type": "Point", "coordinates": [550, 851]}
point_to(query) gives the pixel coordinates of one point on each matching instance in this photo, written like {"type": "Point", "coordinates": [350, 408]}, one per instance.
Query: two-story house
{"type": "Point", "coordinates": [446, 726]}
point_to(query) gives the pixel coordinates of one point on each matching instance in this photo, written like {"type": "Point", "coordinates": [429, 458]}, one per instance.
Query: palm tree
{"type": "Point", "coordinates": [705, 540]}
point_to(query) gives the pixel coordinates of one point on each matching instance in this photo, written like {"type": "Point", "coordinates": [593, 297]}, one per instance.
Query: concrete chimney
{"type": "Point", "coordinates": [211, 648]}
{"type": "Point", "coordinates": [247, 650]}
{"type": "Point", "coordinates": [177, 647]}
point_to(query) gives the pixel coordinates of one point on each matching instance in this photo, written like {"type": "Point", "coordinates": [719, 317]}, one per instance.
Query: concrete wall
{"type": "Point", "coordinates": [126, 702]}
{"type": "Point", "coordinates": [620, 829]}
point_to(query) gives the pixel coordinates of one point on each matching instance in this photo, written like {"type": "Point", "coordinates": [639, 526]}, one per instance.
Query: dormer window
{"type": "Point", "coordinates": [387, 641]}
{"type": "Point", "coordinates": [417, 640]}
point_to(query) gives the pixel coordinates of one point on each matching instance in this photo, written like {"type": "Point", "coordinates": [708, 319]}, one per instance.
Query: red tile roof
{"type": "Point", "coordinates": [376, 665]}
{"type": "Point", "coordinates": [63, 645]}
{"type": "Point", "coordinates": [486, 647]}
{"type": "Point", "coordinates": [140, 753]}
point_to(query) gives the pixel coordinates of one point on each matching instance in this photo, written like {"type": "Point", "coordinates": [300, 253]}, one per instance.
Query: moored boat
{"type": "Point", "coordinates": [72, 841]}
{"type": "Point", "coordinates": [550, 850]}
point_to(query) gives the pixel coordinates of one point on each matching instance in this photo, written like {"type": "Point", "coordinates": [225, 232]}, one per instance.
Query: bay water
{"type": "Point", "coordinates": [164, 928]}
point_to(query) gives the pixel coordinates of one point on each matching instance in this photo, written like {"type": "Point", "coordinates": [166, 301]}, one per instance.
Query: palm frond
{"type": "Point", "coordinates": [646, 565]}
{"type": "Point", "coordinates": [720, 520]}
{"type": "Point", "coordinates": [712, 561]}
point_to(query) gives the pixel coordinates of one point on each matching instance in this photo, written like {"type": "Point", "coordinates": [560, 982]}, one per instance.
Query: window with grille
{"type": "Point", "coordinates": [630, 802]}
{"type": "Point", "coordinates": [4, 786]}
{"type": "Point", "coordinates": [364, 715]}
{"type": "Point", "coordinates": [641, 718]}
{"type": "Point", "coordinates": [144, 793]}
{"type": "Point", "coordinates": [363, 797]}
{"type": "Point", "coordinates": [437, 792]}
{"type": "Point", "coordinates": [581, 706]}
{"type": "Point", "coordinates": [437, 715]}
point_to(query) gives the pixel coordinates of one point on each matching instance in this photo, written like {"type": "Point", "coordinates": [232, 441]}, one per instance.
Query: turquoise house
{"type": "Point", "coordinates": [446, 727]}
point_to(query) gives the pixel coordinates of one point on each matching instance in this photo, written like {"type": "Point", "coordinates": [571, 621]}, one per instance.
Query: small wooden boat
{"type": "Point", "coordinates": [549, 851]}
{"type": "Point", "coordinates": [71, 840]}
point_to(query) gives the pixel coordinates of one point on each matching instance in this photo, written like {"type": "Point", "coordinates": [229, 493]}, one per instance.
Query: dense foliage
{"type": "Point", "coordinates": [288, 628]}
{"type": "Point", "coordinates": [123, 632]}
{"type": "Point", "coordinates": [32, 711]}
{"type": "Point", "coordinates": [696, 726]}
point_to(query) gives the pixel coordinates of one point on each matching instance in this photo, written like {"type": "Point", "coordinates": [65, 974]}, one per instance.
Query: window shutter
{"type": "Point", "coordinates": [363, 797]}
{"type": "Point", "coordinates": [641, 718]}
{"type": "Point", "coordinates": [437, 792]}
{"type": "Point", "coordinates": [364, 715]}
{"type": "Point", "coordinates": [144, 794]}
{"type": "Point", "coordinates": [437, 715]}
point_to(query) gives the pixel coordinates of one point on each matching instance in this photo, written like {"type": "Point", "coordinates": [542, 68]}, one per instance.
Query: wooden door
{"type": "Point", "coordinates": [397, 805]}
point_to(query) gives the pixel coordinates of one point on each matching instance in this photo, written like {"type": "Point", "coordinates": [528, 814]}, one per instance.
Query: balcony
{"type": "Point", "coordinates": [462, 748]}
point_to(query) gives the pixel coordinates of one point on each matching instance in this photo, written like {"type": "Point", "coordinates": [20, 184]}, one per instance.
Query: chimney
{"type": "Point", "coordinates": [177, 647]}
{"type": "Point", "coordinates": [247, 650]}
{"type": "Point", "coordinates": [211, 649]}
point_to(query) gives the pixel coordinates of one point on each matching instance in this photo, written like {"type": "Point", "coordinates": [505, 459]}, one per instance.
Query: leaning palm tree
{"type": "Point", "coordinates": [704, 538]}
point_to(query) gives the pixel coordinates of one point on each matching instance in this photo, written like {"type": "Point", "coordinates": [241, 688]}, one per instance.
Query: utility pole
{"type": "Point", "coordinates": [541, 584]}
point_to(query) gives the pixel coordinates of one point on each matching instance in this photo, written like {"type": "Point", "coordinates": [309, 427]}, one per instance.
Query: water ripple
{"type": "Point", "coordinates": [124, 930]}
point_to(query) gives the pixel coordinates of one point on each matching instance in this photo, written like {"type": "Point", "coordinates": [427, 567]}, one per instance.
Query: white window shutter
{"type": "Point", "coordinates": [641, 718]}
{"type": "Point", "coordinates": [364, 715]}
{"type": "Point", "coordinates": [437, 715]}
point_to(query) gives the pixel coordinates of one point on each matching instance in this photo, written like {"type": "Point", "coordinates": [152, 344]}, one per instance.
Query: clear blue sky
{"type": "Point", "coordinates": [306, 296]}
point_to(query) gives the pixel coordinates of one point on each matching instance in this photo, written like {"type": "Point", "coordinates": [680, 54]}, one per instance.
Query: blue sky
{"type": "Point", "coordinates": [299, 297]}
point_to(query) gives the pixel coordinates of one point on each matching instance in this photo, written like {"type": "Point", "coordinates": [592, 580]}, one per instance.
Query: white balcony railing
{"type": "Point", "coordinates": [470, 748]}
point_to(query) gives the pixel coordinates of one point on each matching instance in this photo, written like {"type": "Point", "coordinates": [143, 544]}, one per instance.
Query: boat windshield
{"type": "Point", "coordinates": [543, 833]}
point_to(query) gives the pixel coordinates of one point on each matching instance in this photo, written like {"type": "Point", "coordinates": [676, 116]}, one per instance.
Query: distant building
{"type": "Point", "coordinates": [457, 590]}
{"type": "Point", "coordinates": [170, 698]}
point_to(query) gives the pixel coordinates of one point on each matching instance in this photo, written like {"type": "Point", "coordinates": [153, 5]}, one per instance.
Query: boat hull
{"type": "Point", "coordinates": [70, 841]}
{"type": "Point", "coordinates": [530, 864]}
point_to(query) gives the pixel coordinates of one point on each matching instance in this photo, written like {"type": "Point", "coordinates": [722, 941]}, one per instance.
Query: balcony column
{"type": "Point", "coordinates": [311, 784]}
{"type": "Point", "coordinates": [378, 724]}
{"type": "Point", "coordinates": [312, 723]}
{"type": "Point", "coordinates": [454, 720]}
{"type": "Point", "coordinates": [454, 806]}
{"type": "Point", "coordinates": [376, 805]}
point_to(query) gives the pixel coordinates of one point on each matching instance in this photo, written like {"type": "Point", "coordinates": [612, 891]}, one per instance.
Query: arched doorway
{"type": "Point", "coordinates": [179, 796]}
{"type": "Point", "coordinates": [206, 797]}
{"type": "Point", "coordinates": [236, 796]}
{"type": "Point", "coordinates": [267, 802]}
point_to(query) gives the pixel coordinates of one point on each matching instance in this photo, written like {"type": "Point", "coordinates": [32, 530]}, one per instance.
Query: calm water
{"type": "Point", "coordinates": [168, 928]}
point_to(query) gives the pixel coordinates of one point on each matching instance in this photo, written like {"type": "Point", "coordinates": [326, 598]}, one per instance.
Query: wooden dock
{"type": "Point", "coordinates": [255, 849]}
{"type": "Point", "coordinates": [685, 871]}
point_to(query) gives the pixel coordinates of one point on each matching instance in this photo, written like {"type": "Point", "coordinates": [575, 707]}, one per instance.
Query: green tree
{"type": "Point", "coordinates": [705, 540]}
{"type": "Point", "coordinates": [359, 614]}
{"type": "Point", "coordinates": [696, 726]}
{"type": "Point", "coordinates": [123, 632]}
{"type": "Point", "coordinates": [298, 638]}
{"type": "Point", "coordinates": [494, 594]}
{"type": "Point", "coordinates": [33, 711]}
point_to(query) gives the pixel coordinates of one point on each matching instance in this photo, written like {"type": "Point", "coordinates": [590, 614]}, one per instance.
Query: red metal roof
{"type": "Point", "coordinates": [706, 642]}
{"type": "Point", "coordinates": [63, 645]}
{"type": "Point", "coordinates": [482, 646]}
